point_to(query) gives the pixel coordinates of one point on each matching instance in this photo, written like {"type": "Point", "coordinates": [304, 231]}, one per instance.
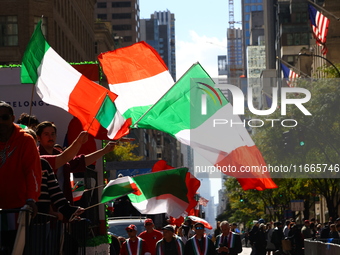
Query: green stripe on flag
{"type": "Point", "coordinates": [161, 183]}
{"type": "Point", "coordinates": [106, 112]}
{"type": "Point", "coordinates": [33, 56]}
{"type": "Point", "coordinates": [181, 107]}
{"type": "Point", "coordinates": [116, 189]}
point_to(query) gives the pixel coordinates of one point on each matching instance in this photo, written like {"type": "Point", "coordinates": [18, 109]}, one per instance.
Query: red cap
{"type": "Point", "coordinates": [306, 221]}
{"type": "Point", "coordinates": [131, 227]}
{"type": "Point", "coordinates": [148, 221]}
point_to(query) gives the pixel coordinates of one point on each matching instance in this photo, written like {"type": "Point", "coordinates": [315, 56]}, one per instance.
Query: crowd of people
{"type": "Point", "coordinates": [40, 175]}
{"type": "Point", "coordinates": [188, 239]}
{"type": "Point", "coordinates": [288, 237]}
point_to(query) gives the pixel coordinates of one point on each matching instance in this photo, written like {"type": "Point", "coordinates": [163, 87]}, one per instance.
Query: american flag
{"type": "Point", "coordinates": [319, 24]}
{"type": "Point", "coordinates": [203, 201]}
{"type": "Point", "coordinates": [289, 75]}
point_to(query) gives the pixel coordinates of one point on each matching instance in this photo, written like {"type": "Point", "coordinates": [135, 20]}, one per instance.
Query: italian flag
{"type": "Point", "coordinates": [199, 115]}
{"type": "Point", "coordinates": [138, 75]}
{"type": "Point", "coordinates": [153, 193]}
{"type": "Point", "coordinates": [118, 188]}
{"type": "Point", "coordinates": [59, 84]}
{"type": "Point", "coordinates": [78, 191]}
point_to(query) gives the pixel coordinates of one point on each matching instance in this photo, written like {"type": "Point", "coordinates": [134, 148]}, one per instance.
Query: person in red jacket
{"type": "Point", "coordinates": [20, 170]}
{"type": "Point", "coordinates": [151, 236]}
{"type": "Point", "coordinates": [134, 245]}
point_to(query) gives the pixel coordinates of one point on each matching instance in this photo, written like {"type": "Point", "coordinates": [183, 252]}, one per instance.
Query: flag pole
{"type": "Point", "coordinates": [324, 10]}
{"type": "Point", "coordinates": [286, 63]}
{"type": "Point", "coordinates": [141, 117]}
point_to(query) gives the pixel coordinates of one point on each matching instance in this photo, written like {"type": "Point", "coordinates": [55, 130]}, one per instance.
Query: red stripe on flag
{"type": "Point", "coordinates": [132, 63]}
{"type": "Point", "coordinates": [249, 156]}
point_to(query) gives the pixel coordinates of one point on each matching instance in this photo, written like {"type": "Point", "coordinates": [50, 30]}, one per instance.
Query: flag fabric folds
{"type": "Point", "coordinates": [182, 114]}
{"type": "Point", "coordinates": [153, 193]}
{"type": "Point", "coordinates": [59, 84]}
{"type": "Point", "coordinates": [118, 188]}
{"type": "Point", "coordinates": [138, 75]}
{"type": "Point", "coordinates": [191, 182]}
{"type": "Point", "coordinates": [289, 75]}
{"type": "Point", "coordinates": [319, 24]}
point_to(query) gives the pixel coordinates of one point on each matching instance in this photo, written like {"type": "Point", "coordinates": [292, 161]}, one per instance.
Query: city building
{"type": "Point", "coordinates": [159, 32]}
{"type": "Point", "coordinates": [67, 25]}
{"type": "Point", "coordinates": [234, 53]}
{"type": "Point", "coordinates": [124, 19]}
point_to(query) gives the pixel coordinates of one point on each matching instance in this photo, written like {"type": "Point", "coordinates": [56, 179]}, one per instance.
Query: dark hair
{"type": "Point", "coordinates": [9, 108]}
{"type": "Point", "coordinates": [44, 124]}
{"type": "Point", "coordinates": [28, 120]}
{"type": "Point", "coordinates": [31, 132]}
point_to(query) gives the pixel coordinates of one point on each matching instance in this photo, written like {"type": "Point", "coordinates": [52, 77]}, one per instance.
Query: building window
{"type": "Point", "coordinates": [121, 16]}
{"type": "Point", "coordinates": [102, 16]}
{"type": "Point", "coordinates": [259, 8]}
{"type": "Point", "coordinates": [121, 4]}
{"type": "Point", "coordinates": [9, 31]}
{"type": "Point", "coordinates": [101, 5]}
{"type": "Point", "coordinates": [121, 27]}
{"type": "Point", "coordinates": [127, 38]}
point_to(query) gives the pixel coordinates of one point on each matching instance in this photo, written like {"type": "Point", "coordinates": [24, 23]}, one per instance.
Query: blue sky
{"type": "Point", "coordinates": [200, 29]}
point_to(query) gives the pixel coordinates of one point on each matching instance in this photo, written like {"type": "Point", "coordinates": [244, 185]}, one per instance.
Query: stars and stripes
{"type": "Point", "coordinates": [289, 74]}
{"type": "Point", "coordinates": [319, 24]}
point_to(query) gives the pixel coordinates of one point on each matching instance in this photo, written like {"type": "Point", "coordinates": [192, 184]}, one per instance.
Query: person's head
{"type": "Point", "coordinates": [338, 227]}
{"type": "Point", "coordinates": [225, 227]}
{"type": "Point", "coordinates": [148, 224]}
{"type": "Point", "coordinates": [287, 222]}
{"type": "Point", "coordinates": [187, 221]}
{"type": "Point", "coordinates": [6, 119]}
{"type": "Point", "coordinates": [30, 121]}
{"type": "Point", "coordinates": [233, 226]}
{"type": "Point", "coordinates": [32, 133]}
{"type": "Point", "coordinates": [307, 223]}
{"type": "Point", "coordinates": [332, 227]}
{"type": "Point", "coordinates": [279, 224]}
{"type": "Point", "coordinates": [199, 229]}
{"type": "Point", "coordinates": [262, 227]}
{"type": "Point", "coordinates": [260, 221]}
{"type": "Point", "coordinates": [47, 134]}
{"type": "Point", "coordinates": [168, 232]}
{"type": "Point", "coordinates": [268, 225]}
{"type": "Point", "coordinates": [131, 230]}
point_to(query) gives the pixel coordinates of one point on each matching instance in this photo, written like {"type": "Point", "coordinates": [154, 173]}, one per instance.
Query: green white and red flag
{"type": "Point", "coordinates": [59, 84]}
{"type": "Point", "coordinates": [138, 75]}
{"type": "Point", "coordinates": [181, 113]}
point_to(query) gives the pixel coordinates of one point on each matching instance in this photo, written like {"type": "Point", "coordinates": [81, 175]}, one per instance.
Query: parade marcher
{"type": "Point", "coordinates": [253, 235]}
{"type": "Point", "coordinates": [296, 240]}
{"type": "Point", "coordinates": [278, 236]}
{"type": "Point", "coordinates": [133, 245]}
{"type": "Point", "coordinates": [228, 242]}
{"type": "Point", "coordinates": [151, 236]}
{"type": "Point", "coordinates": [20, 172]}
{"type": "Point", "coordinates": [217, 231]}
{"type": "Point", "coordinates": [170, 244]}
{"type": "Point", "coordinates": [306, 231]}
{"type": "Point", "coordinates": [199, 244]}
{"type": "Point", "coordinates": [270, 247]}
{"type": "Point", "coordinates": [185, 231]}
{"type": "Point", "coordinates": [261, 242]}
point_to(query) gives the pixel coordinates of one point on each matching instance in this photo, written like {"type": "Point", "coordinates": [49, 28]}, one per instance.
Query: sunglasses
{"type": "Point", "coordinates": [148, 224]}
{"type": "Point", "coordinates": [5, 116]}
{"type": "Point", "coordinates": [130, 230]}
{"type": "Point", "coordinates": [199, 227]}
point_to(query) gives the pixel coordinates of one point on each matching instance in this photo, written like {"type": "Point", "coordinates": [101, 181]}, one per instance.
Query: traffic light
{"type": "Point", "coordinates": [241, 199]}
{"type": "Point", "coordinates": [288, 141]}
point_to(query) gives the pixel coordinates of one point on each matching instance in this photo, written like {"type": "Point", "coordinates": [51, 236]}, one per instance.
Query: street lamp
{"type": "Point", "coordinates": [313, 55]}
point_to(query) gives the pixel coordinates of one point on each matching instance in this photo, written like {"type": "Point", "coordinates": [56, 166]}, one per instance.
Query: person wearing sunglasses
{"type": "Point", "coordinates": [151, 236]}
{"type": "Point", "coordinates": [20, 170]}
{"type": "Point", "coordinates": [228, 242]}
{"type": "Point", "coordinates": [133, 245]}
{"type": "Point", "coordinates": [199, 244]}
